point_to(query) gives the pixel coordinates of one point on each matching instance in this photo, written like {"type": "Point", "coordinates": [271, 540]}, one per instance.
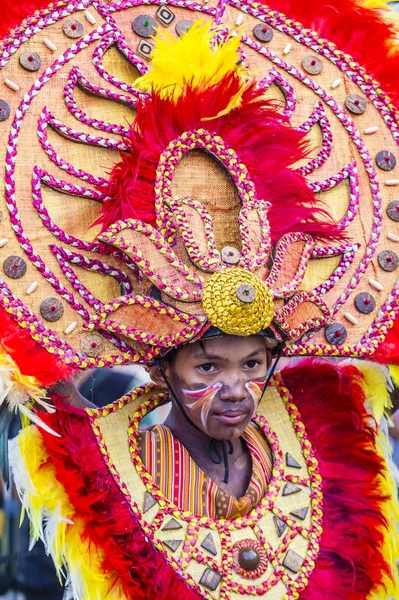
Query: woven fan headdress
{"type": "Point", "coordinates": [239, 178]}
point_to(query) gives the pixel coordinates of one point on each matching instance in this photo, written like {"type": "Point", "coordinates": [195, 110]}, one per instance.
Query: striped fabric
{"type": "Point", "coordinates": [182, 482]}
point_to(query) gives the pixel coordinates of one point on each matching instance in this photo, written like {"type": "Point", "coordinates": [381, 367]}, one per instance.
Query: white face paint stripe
{"type": "Point", "coordinates": [198, 393]}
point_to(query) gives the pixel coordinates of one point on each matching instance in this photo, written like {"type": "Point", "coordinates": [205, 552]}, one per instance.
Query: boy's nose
{"type": "Point", "coordinates": [233, 391]}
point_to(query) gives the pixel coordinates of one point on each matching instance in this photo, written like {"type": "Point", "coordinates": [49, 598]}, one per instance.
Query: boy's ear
{"type": "Point", "coordinates": [156, 376]}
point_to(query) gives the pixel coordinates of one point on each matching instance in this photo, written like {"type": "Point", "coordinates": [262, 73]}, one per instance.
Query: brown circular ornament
{"type": "Point", "coordinates": [365, 303]}
{"type": "Point", "coordinates": [230, 255]}
{"type": "Point", "coordinates": [385, 160]}
{"type": "Point", "coordinates": [393, 210]}
{"type": "Point", "coordinates": [51, 309]}
{"type": "Point", "coordinates": [388, 260]}
{"type": "Point", "coordinates": [30, 61]}
{"type": "Point", "coordinates": [183, 26]}
{"type": "Point", "coordinates": [73, 28]}
{"type": "Point", "coordinates": [14, 267]}
{"type": "Point", "coordinates": [263, 33]}
{"type": "Point", "coordinates": [5, 110]}
{"type": "Point", "coordinates": [246, 293]}
{"type": "Point", "coordinates": [356, 104]}
{"type": "Point", "coordinates": [312, 65]}
{"type": "Point", "coordinates": [336, 334]}
{"type": "Point", "coordinates": [249, 559]}
{"type": "Point", "coordinates": [144, 26]}
{"type": "Point", "coordinates": [92, 345]}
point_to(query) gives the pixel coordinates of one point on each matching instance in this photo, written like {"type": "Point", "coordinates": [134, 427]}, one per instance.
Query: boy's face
{"type": "Point", "coordinates": [219, 382]}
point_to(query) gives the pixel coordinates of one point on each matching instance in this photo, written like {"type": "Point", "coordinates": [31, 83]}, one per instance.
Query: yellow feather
{"type": "Point", "coordinates": [45, 498]}
{"type": "Point", "coordinates": [374, 384]}
{"type": "Point", "coordinates": [394, 373]}
{"type": "Point", "coordinates": [389, 587]}
{"type": "Point", "coordinates": [196, 59]}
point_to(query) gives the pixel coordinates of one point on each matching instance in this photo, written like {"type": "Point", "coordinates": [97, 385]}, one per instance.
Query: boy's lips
{"type": "Point", "coordinates": [231, 417]}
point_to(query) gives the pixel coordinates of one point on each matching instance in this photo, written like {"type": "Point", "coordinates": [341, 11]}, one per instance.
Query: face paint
{"type": "Point", "coordinates": [255, 390]}
{"type": "Point", "coordinates": [203, 399]}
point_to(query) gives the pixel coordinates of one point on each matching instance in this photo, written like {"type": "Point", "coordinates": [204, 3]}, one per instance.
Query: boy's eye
{"type": "Point", "coordinates": [252, 364]}
{"type": "Point", "coordinates": [206, 367]}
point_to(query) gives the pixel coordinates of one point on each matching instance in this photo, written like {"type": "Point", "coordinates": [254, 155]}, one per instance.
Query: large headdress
{"type": "Point", "coordinates": [246, 178]}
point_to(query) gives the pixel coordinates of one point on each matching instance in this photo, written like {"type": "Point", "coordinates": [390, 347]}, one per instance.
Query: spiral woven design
{"type": "Point", "coordinates": [226, 311]}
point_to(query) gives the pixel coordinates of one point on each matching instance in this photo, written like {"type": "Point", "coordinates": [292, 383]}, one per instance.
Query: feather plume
{"type": "Point", "coordinates": [196, 60]}
{"type": "Point", "coordinates": [56, 521]}
{"type": "Point", "coordinates": [353, 563]}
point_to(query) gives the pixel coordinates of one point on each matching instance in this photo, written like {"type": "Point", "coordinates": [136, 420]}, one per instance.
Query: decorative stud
{"type": "Point", "coordinates": [209, 545]}
{"type": "Point", "coordinates": [393, 237]}
{"type": "Point", "coordinates": [230, 255]}
{"type": "Point", "coordinates": [336, 83]}
{"type": "Point", "coordinates": [376, 285]}
{"type": "Point", "coordinates": [370, 130]}
{"type": "Point", "coordinates": [165, 15]}
{"type": "Point", "coordinates": [173, 544]}
{"type": "Point", "coordinates": [92, 345]}
{"type": "Point", "coordinates": [91, 18]}
{"type": "Point", "coordinates": [32, 287]}
{"type": "Point", "coordinates": [287, 48]}
{"type": "Point", "coordinates": [144, 26]}
{"type": "Point", "coordinates": [365, 303]}
{"type": "Point", "coordinates": [12, 85]}
{"type": "Point", "coordinates": [246, 293]}
{"type": "Point", "coordinates": [51, 309]}
{"type": "Point", "coordinates": [349, 317]}
{"type": "Point", "coordinates": [249, 558]}
{"type": "Point", "coordinates": [393, 210]}
{"type": "Point", "coordinates": [5, 110]}
{"type": "Point", "coordinates": [14, 267]}
{"type": "Point", "coordinates": [292, 561]}
{"type": "Point", "coordinates": [312, 65]}
{"type": "Point", "coordinates": [385, 160]}
{"type": "Point", "coordinates": [356, 104]}
{"type": "Point", "coordinates": [210, 579]}
{"type": "Point", "coordinates": [3, 242]}
{"type": "Point", "coordinates": [30, 61]}
{"type": "Point", "coordinates": [263, 33]}
{"type": "Point", "coordinates": [280, 526]}
{"type": "Point", "coordinates": [300, 513]}
{"type": "Point", "coordinates": [290, 461]}
{"type": "Point", "coordinates": [172, 524]}
{"type": "Point", "coordinates": [388, 260]}
{"type": "Point", "coordinates": [335, 334]}
{"type": "Point", "coordinates": [70, 327]}
{"type": "Point", "coordinates": [145, 48]}
{"type": "Point", "coordinates": [49, 44]}
{"type": "Point", "coordinates": [149, 502]}
{"type": "Point", "coordinates": [290, 488]}
{"type": "Point", "coordinates": [183, 26]}
{"type": "Point", "coordinates": [73, 29]}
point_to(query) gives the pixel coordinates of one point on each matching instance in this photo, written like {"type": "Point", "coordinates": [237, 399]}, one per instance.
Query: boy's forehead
{"type": "Point", "coordinates": [225, 345]}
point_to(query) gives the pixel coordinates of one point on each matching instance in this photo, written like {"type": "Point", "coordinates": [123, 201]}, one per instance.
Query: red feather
{"type": "Point", "coordinates": [331, 403]}
{"type": "Point", "coordinates": [262, 138]}
{"type": "Point", "coordinates": [31, 358]}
